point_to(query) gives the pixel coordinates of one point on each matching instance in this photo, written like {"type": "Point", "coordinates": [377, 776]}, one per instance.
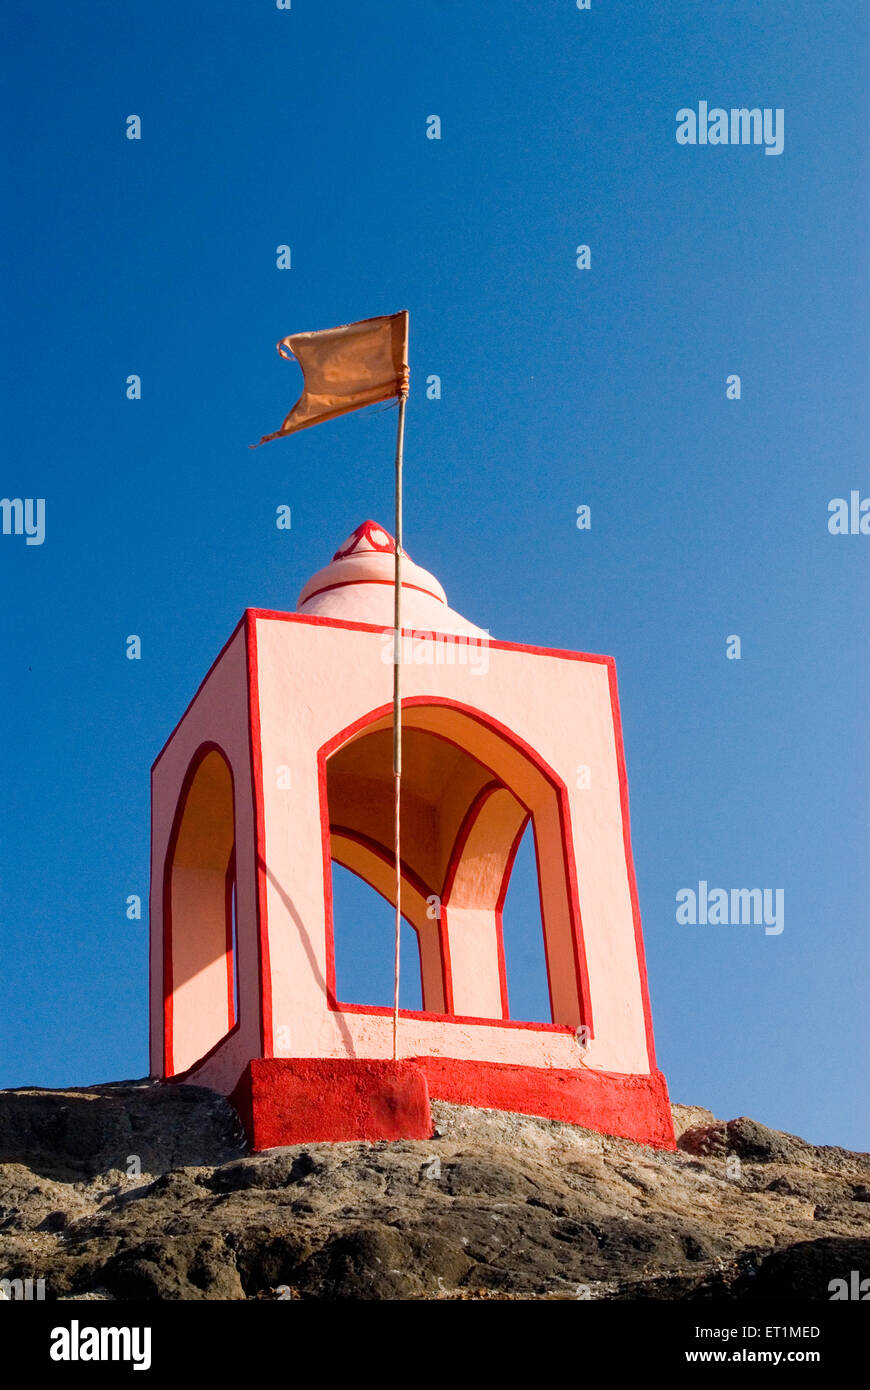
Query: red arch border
{"type": "Point", "coordinates": [338, 740]}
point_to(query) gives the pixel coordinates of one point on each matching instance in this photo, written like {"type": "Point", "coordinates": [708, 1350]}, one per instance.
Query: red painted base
{"type": "Point", "coordinates": [302, 1100]}
{"type": "Point", "coordinates": [629, 1107]}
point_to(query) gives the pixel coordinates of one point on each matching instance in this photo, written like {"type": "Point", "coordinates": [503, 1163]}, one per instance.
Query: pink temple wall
{"type": "Point", "coordinates": [311, 679]}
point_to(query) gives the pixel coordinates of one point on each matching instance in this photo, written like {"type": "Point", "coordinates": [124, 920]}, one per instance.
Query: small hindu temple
{"type": "Point", "coordinates": [281, 766]}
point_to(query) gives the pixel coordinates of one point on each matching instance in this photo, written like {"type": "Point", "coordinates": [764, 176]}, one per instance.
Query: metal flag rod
{"type": "Point", "coordinates": [397, 706]}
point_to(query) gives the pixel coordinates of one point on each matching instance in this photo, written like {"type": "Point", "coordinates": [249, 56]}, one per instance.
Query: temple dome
{"type": "Point", "coordinates": [357, 586]}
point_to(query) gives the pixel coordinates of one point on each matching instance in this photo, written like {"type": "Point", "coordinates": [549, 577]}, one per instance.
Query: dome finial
{"type": "Point", "coordinates": [367, 538]}
{"type": "Point", "coordinates": [357, 586]}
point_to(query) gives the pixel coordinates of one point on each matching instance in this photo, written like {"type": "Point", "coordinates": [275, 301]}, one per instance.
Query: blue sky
{"type": "Point", "coordinates": [559, 387]}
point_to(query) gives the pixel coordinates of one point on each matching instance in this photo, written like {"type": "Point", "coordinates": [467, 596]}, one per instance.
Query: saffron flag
{"type": "Point", "coordinates": [345, 369]}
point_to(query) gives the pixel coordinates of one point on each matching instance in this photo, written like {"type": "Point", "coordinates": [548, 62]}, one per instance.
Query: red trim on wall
{"type": "Point", "coordinates": [315, 620]}
{"type": "Point", "coordinates": [197, 758]}
{"type": "Point", "coordinates": [256, 752]}
{"type": "Point", "coordinates": [229, 892]}
{"type": "Point", "coordinates": [385, 1011]}
{"type": "Point", "coordinates": [326, 853]}
{"type": "Point", "coordinates": [629, 863]}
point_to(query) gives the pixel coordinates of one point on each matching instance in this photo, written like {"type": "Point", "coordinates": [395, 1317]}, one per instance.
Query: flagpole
{"type": "Point", "coordinates": [397, 704]}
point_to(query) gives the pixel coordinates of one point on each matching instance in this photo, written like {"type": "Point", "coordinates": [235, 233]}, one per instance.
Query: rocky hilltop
{"type": "Point", "coordinates": [138, 1190]}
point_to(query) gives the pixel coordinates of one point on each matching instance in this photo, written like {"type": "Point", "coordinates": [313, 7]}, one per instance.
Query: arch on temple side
{"type": "Point", "coordinates": [200, 966]}
{"type": "Point", "coordinates": [470, 788]}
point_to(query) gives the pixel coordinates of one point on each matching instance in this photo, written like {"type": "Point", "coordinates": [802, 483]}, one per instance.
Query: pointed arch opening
{"type": "Point", "coordinates": [470, 792]}
{"type": "Point", "coordinates": [200, 955]}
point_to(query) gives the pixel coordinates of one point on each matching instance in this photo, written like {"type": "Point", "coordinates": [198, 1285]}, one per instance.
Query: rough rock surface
{"type": "Point", "coordinates": [137, 1190]}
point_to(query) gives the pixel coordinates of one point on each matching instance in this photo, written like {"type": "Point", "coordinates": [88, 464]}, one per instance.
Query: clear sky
{"type": "Point", "coordinates": [560, 387]}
